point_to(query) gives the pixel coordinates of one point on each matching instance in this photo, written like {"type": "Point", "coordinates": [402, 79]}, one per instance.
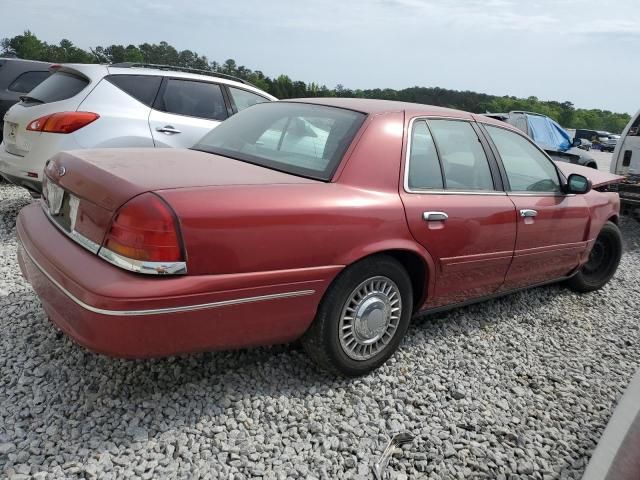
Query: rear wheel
{"type": "Point", "coordinates": [362, 317]}
{"type": "Point", "coordinates": [603, 261]}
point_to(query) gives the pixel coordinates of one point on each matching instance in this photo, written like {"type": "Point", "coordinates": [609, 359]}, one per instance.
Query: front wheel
{"type": "Point", "coordinates": [362, 317]}
{"type": "Point", "coordinates": [603, 261]}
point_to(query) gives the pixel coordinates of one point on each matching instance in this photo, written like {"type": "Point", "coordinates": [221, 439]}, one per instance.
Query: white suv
{"type": "Point", "coordinates": [124, 105]}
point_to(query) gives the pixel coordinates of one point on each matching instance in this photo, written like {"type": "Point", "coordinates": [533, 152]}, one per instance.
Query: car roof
{"type": "Point", "coordinates": [373, 106]}
{"type": "Point", "coordinates": [167, 72]}
{"type": "Point", "coordinates": [95, 71]}
{"type": "Point", "coordinates": [22, 60]}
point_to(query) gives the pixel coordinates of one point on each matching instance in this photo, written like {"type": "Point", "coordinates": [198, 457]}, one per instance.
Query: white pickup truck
{"type": "Point", "coordinates": [626, 162]}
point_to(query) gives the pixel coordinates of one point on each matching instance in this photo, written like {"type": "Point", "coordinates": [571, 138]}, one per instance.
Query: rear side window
{"type": "Point", "coordinates": [192, 98]}
{"type": "Point", "coordinates": [27, 81]}
{"type": "Point", "coordinates": [244, 99]}
{"type": "Point", "coordinates": [59, 86]}
{"type": "Point", "coordinates": [424, 166]}
{"type": "Point", "coordinates": [141, 87]}
{"type": "Point", "coordinates": [464, 162]}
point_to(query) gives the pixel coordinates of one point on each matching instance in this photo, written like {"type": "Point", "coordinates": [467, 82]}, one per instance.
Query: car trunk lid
{"type": "Point", "coordinates": [110, 177]}
{"type": "Point", "coordinates": [84, 189]}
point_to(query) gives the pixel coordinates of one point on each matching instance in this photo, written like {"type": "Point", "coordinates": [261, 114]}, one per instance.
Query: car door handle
{"type": "Point", "coordinates": [168, 130]}
{"type": "Point", "coordinates": [434, 216]}
{"type": "Point", "coordinates": [526, 212]}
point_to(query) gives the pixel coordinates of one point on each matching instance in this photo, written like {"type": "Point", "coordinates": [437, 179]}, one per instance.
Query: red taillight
{"type": "Point", "coordinates": [145, 229]}
{"type": "Point", "coordinates": [63, 122]}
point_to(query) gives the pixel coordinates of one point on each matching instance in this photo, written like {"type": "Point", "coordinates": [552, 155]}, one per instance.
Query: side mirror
{"type": "Point", "coordinates": [577, 142]}
{"type": "Point", "coordinates": [578, 184]}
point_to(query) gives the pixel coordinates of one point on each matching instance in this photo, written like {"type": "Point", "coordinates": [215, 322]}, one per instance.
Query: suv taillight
{"type": "Point", "coordinates": [62, 122]}
{"type": "Point", "coordinates": [145, 230]}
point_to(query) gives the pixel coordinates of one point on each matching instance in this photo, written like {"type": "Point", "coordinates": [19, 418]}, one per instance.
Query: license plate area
{"type": "Point", "coordinates": [62, 206]}
{"type": "Point", "coordinates": [12, 130]}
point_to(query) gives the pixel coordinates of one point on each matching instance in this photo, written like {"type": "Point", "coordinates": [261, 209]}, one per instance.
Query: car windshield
{"type": "Point", "coordinates": [297, 138]}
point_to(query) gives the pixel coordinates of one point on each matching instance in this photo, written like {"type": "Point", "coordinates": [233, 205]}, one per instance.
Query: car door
{"type": "Point", "coordinates": [185, 110]}
{"type": "Point", "coordinates": [551, 225]}
{"type": "Point", "coordinates": [457, 210]}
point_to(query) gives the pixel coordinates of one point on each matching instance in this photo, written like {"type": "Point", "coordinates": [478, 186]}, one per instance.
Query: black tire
{"type": "Point", "coordinates": [603, 261]}
{"type": "Point", "coordinates": [322, 340]}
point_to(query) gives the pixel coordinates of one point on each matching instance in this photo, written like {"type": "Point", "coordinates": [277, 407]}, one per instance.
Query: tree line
{"type": "Point", "coordinates": [29, 46]}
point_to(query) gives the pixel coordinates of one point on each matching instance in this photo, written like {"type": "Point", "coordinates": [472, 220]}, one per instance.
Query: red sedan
{"type": "Point", "coordinates": [330, 220]}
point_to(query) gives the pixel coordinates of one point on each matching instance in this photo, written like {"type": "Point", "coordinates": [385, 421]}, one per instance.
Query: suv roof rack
{"type": "Point", "coordinates": [179, 69]}
{"type": "Point", "coordinates": [528, 113]}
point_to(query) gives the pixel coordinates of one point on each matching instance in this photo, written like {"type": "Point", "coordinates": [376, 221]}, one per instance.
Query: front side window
{"type": "Point", "coordinates": [27, 81]}
{"type": "Point", "coordinates": [302, 139]}
{"type": "Point", "coordinates": [244, 99]}
{"type": "Point", "coordinates": [528, 169]}
{"type": "Point", "coordinates": [464, 162]}
{"type": "Point", "coordinates": [195, 99]}
{"type": "Point", "coordinates": [424, 166]}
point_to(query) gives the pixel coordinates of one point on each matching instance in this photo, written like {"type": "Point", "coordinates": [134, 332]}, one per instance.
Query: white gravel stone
{"type": "Point", "coordinates": [519, 387]}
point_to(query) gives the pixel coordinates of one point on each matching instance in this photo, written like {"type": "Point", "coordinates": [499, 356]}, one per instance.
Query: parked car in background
{"type": "Point", "coordinates": [590, 135]}
{"type": "Point", "coordinates": [626, 162]}
{"type": "Point", "coordinates": [124, 105]}
{"type": "Point", "coordinates": [361, 214]}
{"type": "Point", "coordinates": [18, 77]}
{"type": "Point", "coordinates": [601, 140]}
{"type": "Point", "coordinates": [549, 135]}
{"type": "Point", "coordinates": [609, 143]}
{"type": "Point", "coordinates": [583, 144]}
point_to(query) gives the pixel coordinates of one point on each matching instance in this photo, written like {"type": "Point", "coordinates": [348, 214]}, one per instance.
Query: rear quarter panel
{"type": "Point", "coordinates": [275, 227]}
{"type": "Point", "coordinates": [123, 122]}
{"type": "Point", "coordinates": [270, 227]}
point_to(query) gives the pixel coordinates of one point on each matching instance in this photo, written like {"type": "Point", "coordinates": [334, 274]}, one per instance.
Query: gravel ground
{"type": "Point", "coordinates": [520, 387]}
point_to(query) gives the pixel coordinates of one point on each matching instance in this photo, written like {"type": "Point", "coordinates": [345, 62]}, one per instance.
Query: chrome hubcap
{"type": "Point", "coordinates": [370, 318]}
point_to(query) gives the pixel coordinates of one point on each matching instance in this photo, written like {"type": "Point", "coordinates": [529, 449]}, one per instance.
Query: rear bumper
{"type": "Point", "coordinates": [12, 172]}
{"type": "Point", "coordinates": [21, 170]}
{"type": "Point", "coordinates": [33, 186]}
{"type": "Point", "coordinates": [118, 313]}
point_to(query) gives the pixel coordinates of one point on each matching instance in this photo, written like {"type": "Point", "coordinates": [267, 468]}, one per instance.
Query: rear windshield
{"type": "Point", "coordinates": [27, 81]}
{"type": "Point", "coordinates": [302, 139]}
{"type": "Point", "coordinates": [59, 86]}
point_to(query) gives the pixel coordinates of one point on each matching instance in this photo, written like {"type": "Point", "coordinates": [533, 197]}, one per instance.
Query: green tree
{"type": "Point", "coordinates": [26, 46]}
{"type": "Point", "coordinates": [29, 46]}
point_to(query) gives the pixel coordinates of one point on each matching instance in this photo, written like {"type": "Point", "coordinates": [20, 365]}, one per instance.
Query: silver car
{"type": "Point", "coordinates": [126, 105]}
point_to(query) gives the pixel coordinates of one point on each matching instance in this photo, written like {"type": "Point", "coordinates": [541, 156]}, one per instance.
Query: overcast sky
{"type": "Point", "coordinates": [584, 51]}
